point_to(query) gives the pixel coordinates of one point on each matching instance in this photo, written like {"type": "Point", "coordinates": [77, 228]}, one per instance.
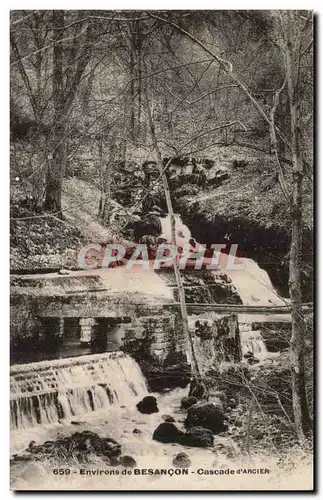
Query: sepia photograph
{"type": "Point", "coordinates": [161, 250]}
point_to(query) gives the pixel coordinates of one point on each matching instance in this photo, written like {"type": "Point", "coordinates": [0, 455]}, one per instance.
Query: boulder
{"type": "Point", "coordinates": [137, 431]}
{"type": "Point", "coordinates": [187, 402]}
{"type": "Point", "coordinates": [253, 361]}
{"type": "Point", "coordinates": [148, 405]}
{"type": "Point", "coordinates": [167, 432]}
{"type": "Point", "coordinates": [198, 390]}
{"type": "Point", "coordinates": [182, 460]}
{"type": "Point", "coordinates": [81, 445]}
{"type": "Point", "coordinates": [168, 418]}
{"type": "Point", "coordinates": [127, 462]}
{"type": "Point", "coordinates": [207, 415]}
{"type": "Point", "coordinates": [198, 436]}
{"type": "Point", "coordinates": [218, 395]}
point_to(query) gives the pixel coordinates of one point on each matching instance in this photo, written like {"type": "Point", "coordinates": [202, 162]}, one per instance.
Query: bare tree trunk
{"type": "Point", "coordinates": [105, 174]}
{"type": "Point", "coordinates": [139, 73]}
{"type": "Point", "coordinates": [133, 75]}
{"type": "Point", "coordinates": [300, 405]}
{"type": "Point", "coordinates": [181, 292]}
{"type": "Point", "coordinates": [102, 195]}
{"type": "Point", "coordinates": [56, 161]}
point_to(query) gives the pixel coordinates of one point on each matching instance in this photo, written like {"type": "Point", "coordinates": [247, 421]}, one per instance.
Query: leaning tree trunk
{"type": "Point", "coordinates": [297, 345]}
{"type": "Point", "coordinates": [181, 292]}
{"type": "Point", "coordinates": [53, 198]}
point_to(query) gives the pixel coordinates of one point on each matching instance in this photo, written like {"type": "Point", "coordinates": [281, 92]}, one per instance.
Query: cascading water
{"type": "Point", "coordinates": [182, 232]}
{"type": "Point", "coordinates": [253, 284]}
{"type": "Point", "coordinates": [45, 392]}
{"type": "Point", "coordinates": [252, 342]}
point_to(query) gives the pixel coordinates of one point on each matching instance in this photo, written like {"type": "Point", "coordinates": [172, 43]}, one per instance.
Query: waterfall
{"type": "Point", "coordinates": [182, 232]}
{"type": "Point", "coordinates": [45, 392]}
{"type": "Point", "coordinates": [254, 285]}
{"type": "Point", "coordinates": [252, 342]}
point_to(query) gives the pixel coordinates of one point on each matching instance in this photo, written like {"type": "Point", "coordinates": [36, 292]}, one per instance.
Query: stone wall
{"type": "Point", "coordinates": [216, 340]}
{"type": "Point", "coordinates": [156, 337]}
{"type": "Point", "coordinates": [63, 323]}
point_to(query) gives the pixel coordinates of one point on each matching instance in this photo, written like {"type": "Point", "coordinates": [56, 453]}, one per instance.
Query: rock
{"type": "Point", "coordinates": [128, 462]}
{"type": "Point", "coordinates": [219, 395]}
{"type": "Point", "coordinates": [168, 418]}
{"type": "Point", "coordinates": [216, 176]}
{"type": "Point", "coordinates": [31, 444]}
{"type": "Point", "coordinates": [253, 361]}
{"type": "Point", "coordinates": [232, 403]}
{"type": "Point", "coordinates": [187, 402]}
{"type": "Point", "coordinates": [148, 225]}
{"type": "Point", "coordinates": [167, 432]}
{"type": "Point", "coordinates": [148, 405]}
{"type": "Point", "coordinates": [82, 445]}
{"type": "Point", "coordinates": [198, 390]}
{"type": "Point", "coordinates": [136, 431]}
{"type": "Point", "coordinates": [182, 460]}
{"type": "Point", "coordinates": [207, 415]}
{"type": "Point", "coordinates": [198, 436]}
{"type": "Point", "coordinates": [174, 373]}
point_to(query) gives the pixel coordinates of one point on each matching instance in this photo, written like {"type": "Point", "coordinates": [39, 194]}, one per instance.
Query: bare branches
{"type": "Point", "coordinates": [24, 76]}
{"type": "Point", "coordinates": [213, 92]}
{"type": "Point", "coordinates": [227, 69]}
{"type": "Point", "coordinates": [307, 48]}
{"type": "Point", "coordinates": [22, 19]}
{"type": "Point", "coordinates": [215, 129]}
{"type": "Point", "coordinates": [272, 130]}
{"type": "Point", "coordinates": [48, 46]}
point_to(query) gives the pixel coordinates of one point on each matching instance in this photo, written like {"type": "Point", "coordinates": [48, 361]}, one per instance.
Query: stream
{"type": "Point", "coordinates": [100, 392]}
{"type": "Point", "coordinates": [209, 466]}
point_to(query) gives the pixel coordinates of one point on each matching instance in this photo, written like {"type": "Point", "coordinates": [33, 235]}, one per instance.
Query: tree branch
{"type": "Point", "coordinates": [24, 77]}
{"type": "Point", "coordinates": [213, 92]}
{"type": "Point", "coordinates": [227, 69]}
{"type": "Point", "coordinates": [273, 137]}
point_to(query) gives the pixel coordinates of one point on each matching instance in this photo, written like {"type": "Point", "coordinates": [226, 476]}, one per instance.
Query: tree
{"type": "Point", "coordinates": [181, 291]}
{"type": "Point", "coordinates": [290, 32]}
{"type": "Point", "coordinates": [292, 51]}
{"type": "Point", "coordinates": [67, 54]}
{"type": "Point", "coordinates": [57, 158]}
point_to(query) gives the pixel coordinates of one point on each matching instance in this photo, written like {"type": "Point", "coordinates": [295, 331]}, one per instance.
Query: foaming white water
{"type": "Point", "coordinates": [252, 341]}
{"type": "Point", "coordinates": [254, 285]}
{"type": "Point", "coordinates": [119, 424]}
{"type": "Point", "coordinates": [182, 232]}
{"type": "Point", "coordinates": [45, 392]}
